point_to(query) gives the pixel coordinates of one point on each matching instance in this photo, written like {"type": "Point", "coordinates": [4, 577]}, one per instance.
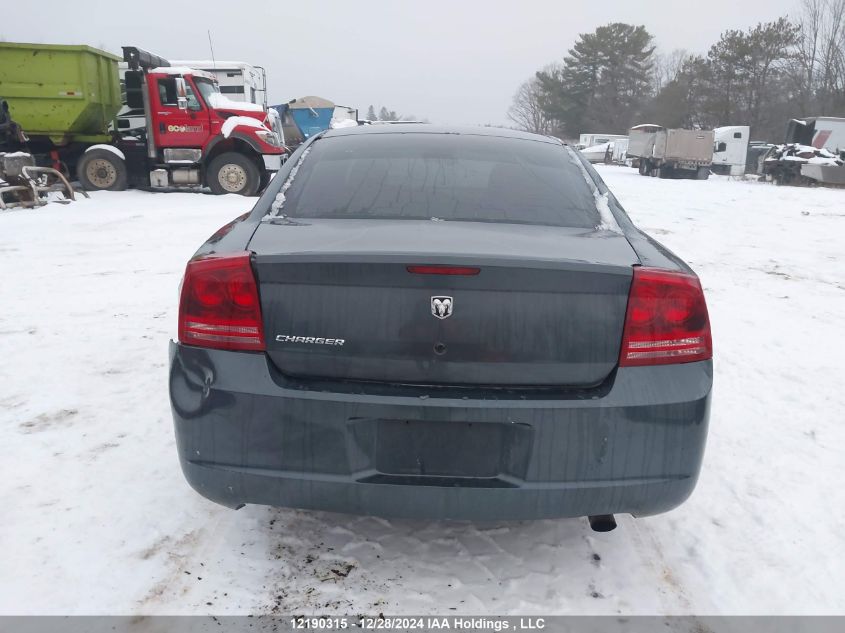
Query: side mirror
{"type": "Point", "coordinates": [181, 93]}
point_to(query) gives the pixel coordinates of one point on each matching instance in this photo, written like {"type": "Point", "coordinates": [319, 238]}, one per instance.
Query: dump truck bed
{"type": "Point", "coordinates": [65, 93]}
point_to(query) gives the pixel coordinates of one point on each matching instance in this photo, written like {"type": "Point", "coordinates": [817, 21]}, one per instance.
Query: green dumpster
{"type": "Point", "coordinates": [64, 93]}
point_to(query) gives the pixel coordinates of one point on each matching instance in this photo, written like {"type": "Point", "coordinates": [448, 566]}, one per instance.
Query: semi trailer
{"type": "Point", "coordinates": [675, 153]}
{"type": "Point", "coordinates": [597, 138]}
{"type": "Point", "coordinates": [61, 104]}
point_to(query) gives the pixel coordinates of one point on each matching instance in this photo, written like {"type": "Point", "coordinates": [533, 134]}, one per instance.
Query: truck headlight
{"type": "Point", "coordinates": [268, 137]}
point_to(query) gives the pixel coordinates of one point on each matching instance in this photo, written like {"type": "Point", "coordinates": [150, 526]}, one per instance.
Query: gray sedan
{"type": "Point", "coordinates": [446, 323]}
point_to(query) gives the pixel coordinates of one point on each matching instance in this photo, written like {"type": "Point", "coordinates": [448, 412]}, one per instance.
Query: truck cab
{"type": "Point", "coordinates": [192, 134]}
{"type": "Point", "coordinates": [730, 149]}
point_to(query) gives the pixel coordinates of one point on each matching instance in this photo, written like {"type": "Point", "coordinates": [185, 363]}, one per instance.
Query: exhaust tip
{"type": "Point", "coordinates": [602, 522]}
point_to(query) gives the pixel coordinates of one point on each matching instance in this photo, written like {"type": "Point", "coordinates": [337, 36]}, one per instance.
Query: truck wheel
{"type": "Point", "coordinates": [100, 170]}
{"type": "Point", "coordinates": [233, 173]}
{"type": "Point", "coordinates": [643, 168]}
{"type": "Point", "coordinates": [703, 173]}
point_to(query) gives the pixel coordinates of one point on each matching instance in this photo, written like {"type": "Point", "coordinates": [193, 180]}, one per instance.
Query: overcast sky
{"type": "Point", "coordinates": [451, 61]}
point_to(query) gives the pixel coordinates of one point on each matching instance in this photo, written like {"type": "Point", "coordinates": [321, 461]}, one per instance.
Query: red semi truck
{"type": "Point", "coordinates": [192, 136]}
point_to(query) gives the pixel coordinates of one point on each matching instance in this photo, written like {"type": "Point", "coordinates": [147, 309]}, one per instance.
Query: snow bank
{"type": "Point", "coordinates": [234, 121]}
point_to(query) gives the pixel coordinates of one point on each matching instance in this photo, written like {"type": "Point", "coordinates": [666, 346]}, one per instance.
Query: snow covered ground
{"type": "Point", "coordinates": [98, 519]}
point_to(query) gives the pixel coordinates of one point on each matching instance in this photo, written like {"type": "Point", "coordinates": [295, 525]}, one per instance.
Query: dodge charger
{"type": "Point", "coordinates": [445, 323]}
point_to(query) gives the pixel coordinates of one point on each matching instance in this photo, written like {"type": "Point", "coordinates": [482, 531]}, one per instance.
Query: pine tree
{"type": "Point", "coordinates": [387, 115]}
{"type": "Point", "coordinates": [604, 82]}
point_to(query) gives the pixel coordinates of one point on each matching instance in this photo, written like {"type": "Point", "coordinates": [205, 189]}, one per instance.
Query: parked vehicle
{"type": "Point", "coordinates": [238, 81]}
{"type": "Point", "coordinates": [730, 150]}
{"type": "Point", "coordinates": [814, 153]}
{"type": "Point", "coordinates": [678, 154]}
{"type": "Point", "coordinates": [640, 142]}
{"type": "Point", "coordinates": [755, 157]}
{"type": "Point", "coordinates": [341, 349]}
{"type": "Point", "coordinates": [596, 138]}
{"type": "Point", "coordinates": [796, 164]}
{"type": "Point", "coordinates": [611, 152]}
{"type": "Point", "coordinates": [63, 101]}
{"type": "Point", "coordinates": [598, 153]}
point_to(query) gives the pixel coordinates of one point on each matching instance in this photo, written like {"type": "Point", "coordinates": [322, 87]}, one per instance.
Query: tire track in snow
{"type": "Point", "coordinates": [674, 595]}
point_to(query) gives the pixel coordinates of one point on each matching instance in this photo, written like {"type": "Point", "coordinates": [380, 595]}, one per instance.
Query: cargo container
{"type": "Point", "coordinates": [60, 95]}
{"type": "Point", "coordinates": [678, 154]}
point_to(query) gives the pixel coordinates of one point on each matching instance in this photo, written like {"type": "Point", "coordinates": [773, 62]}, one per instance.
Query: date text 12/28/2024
{"type": "Point", "coordinates": [427, 623]}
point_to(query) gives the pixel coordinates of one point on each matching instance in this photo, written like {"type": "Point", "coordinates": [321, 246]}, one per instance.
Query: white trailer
{"type": "Point", "coordinates": [596, 138]}
{"type": "Point", "coordinates": [730, 150]}
{"type": "Point", "coordinates": [822, 132]}
{"type": "Point", "coordinates": [238, 81]}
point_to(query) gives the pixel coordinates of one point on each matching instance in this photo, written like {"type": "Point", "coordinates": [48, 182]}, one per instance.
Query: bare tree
{"type": "Point", "coordinates": [667, 66]}
{"type": "Point", "coordinates": [833, 56]}
{"type": "Point", "coordinates": [818, 73]}
{"type": "Point", "coordinates": [526, 110]}
{"type": "Point", "coordinates": [807, 50]}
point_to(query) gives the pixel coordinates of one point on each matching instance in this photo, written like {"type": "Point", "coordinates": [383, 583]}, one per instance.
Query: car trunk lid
{"type": "Point", "coordinates": [546, 306]}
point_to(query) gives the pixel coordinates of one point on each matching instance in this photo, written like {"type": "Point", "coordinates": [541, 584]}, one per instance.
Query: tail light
{"type": "Point", "coordinates": [666, 321]}
{"type": "Point", "coordinates": [219, 306]}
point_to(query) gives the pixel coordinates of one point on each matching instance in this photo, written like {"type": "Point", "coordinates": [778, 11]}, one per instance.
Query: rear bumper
{"type": "Point", "coordinates": [246, 434]}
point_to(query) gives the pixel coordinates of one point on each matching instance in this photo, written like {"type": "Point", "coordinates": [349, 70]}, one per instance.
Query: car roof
{"type": "Point", "coordinates": [427, 128]}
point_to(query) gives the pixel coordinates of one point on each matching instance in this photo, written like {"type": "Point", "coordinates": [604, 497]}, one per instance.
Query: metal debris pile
{"type": "Point", "coordinates": [23, 184]}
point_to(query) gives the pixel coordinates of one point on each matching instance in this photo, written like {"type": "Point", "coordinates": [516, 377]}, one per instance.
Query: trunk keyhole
{"type": "Point", "coordinates": [440, 348]}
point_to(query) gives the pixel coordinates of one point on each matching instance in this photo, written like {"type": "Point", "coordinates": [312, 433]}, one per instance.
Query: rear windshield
{"type": "Point", "coordinates": [456, 177]}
